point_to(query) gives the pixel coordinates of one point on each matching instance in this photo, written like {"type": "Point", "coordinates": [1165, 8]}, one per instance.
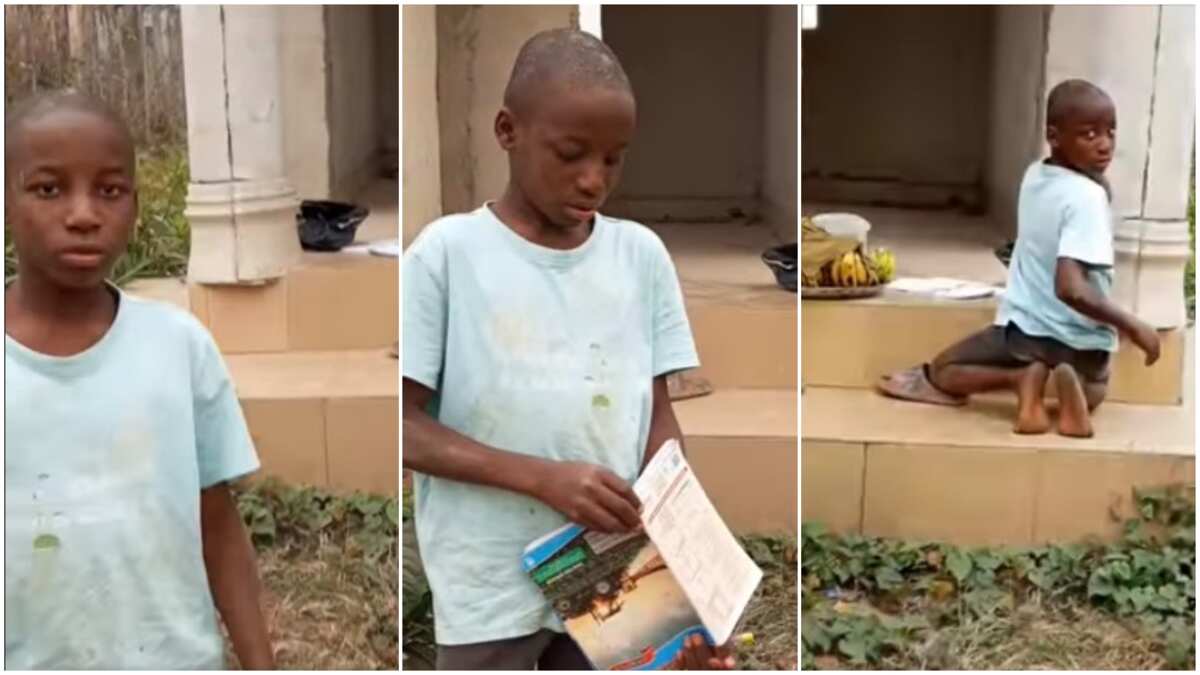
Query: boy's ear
{"type": "Point", "coordinates": [1052, 136]}
{"type": "Point", "coordinates": [506, 129]}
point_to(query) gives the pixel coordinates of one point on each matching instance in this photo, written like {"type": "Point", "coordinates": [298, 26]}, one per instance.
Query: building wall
{"type": "Point", "coordinates": [696, 72]}
{"type": "Point", "coordinates": [421, 168]}
{"type": "Point", "coordinates": [779, 126]}
{"type": "Point", "coordinates": [387, 49]}
{"type": "Point", "coordinates": [1017, 133]}
{"type": "Point", "coordinates": [353, 111]}
{"type": "Point", "coordinates": [898, 95]}
{"type": "Point", "coordinates": [476, 47]}
{"type": "Point", "coordinates": [304, 74]}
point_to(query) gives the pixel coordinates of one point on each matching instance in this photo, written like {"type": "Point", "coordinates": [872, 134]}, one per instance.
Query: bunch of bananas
{"type": "Point", "coordinates": [854, 269]}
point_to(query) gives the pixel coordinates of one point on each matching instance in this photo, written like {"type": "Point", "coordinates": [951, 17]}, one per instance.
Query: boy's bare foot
{"type": "Point", "coordinates": [1031, 408]}
{"type": "Point", "coordinates": [1073, 417]}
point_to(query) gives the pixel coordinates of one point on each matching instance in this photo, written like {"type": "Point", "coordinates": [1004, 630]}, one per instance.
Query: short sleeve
{"type": "Point", "coordinates": [224, 449]}
{"type": "Point", "coordinates": [424, 322]}
{"type": "Point", "coordinates": [674, 348]}
{"type": "Point", "coordinates": [1086, 233]}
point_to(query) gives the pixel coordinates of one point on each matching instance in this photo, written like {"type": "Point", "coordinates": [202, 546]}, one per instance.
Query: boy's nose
{"type": "Point", "coordinates": [82, 215]}
{"type": "Point", "coordinates": [592, 180]}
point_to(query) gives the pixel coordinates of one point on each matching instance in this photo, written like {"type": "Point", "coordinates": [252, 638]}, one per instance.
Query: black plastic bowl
{"type": "Point", "coordinates": [328, 226]}
{"type": "Point", "coordinates": [784, 263]}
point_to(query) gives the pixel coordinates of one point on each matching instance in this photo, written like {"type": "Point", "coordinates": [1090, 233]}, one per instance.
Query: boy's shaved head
{"type": "Point", "coordinates": [562, 56]}
{"type": "Point", "coordinates": [41, 105]}
{"type": "Point", "coordinates": [1070, 97]}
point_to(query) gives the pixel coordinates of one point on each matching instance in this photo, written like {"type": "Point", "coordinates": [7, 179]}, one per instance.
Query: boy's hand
{"type": "Point", "coordinates": [1146, 338]}
{"type": "Point", "coordinates": [698, 655]}
{"type": "Point", "coordinates": [590, 495]}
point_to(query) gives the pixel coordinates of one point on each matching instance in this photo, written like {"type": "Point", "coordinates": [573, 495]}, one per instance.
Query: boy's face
{"type": "Point", "coordinates": [1086, 138]}
{"type": "Point", "coordinates": [70, 198]}
{"type": "Point", "coordinates": [567, 152]}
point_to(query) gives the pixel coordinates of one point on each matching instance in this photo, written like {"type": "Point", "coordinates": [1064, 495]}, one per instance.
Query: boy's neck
{"type": "Point", "coordinates": [520, 216]}
{"type": "Point", "coordinates": [55, 320]}
{"type": "Point", "coordinates": [1100, 179]}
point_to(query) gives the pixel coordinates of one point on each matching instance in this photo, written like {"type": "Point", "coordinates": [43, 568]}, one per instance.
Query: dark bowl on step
{"type": "Point", "coordinates": [328, 225]}
{"type": "Point", "coordinates": [784, 263]}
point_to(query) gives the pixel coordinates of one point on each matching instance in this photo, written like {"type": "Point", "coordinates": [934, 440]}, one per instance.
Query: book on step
{"type": "Point", "coordinates": [630, 600]}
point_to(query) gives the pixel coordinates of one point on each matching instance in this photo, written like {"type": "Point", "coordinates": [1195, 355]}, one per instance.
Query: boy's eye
{"type": "Point", "coordinates": [45, 190]}
{"type": "Point", "coordinates": [112, 191]}
{"type": "Point", "coordinates": [569, 156]}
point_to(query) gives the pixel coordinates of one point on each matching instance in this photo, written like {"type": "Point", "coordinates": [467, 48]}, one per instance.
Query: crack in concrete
{"type": "Point", "coordinates": [1142, 224]}
{"type": "Point", "coordinates": [229, 140]}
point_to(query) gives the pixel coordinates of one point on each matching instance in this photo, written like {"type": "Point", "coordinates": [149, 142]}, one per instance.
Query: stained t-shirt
{"type": "Point", "coordinates": [105, 454]}
{"type": "Point", "coordinates": [537, 351]}
{"type": "Point", "coordinates": [1060, 214]}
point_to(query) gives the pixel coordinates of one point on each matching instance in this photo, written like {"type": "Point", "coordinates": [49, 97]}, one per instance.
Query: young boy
{"type": "Point", "coordinates": [1056, 316]}
{"type": "Point", "coordinates": [545, 331]}
{"type": "Point", "coordinates": [122, 429]}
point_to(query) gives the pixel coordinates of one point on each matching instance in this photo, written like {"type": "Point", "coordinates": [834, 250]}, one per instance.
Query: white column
{"type": "Point", "coordinates": [1151, 77]}
{"type": "Point", "coordinates": [240, 204]}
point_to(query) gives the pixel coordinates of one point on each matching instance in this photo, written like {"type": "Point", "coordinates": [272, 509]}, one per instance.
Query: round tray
{"type": "Point", "coordinates": [839, 292]}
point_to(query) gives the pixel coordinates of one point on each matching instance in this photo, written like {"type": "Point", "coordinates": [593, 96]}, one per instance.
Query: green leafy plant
{"type": "Point", "coordinates": [279, 515]}
{"type": "Point", "coordinates": [858, 592]}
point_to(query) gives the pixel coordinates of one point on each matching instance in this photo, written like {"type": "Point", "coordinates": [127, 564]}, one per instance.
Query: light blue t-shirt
{"type": "Point", "coordinates": [538, 351]}
{"type": "Point", "coordinates": [1060, 214]}
{"type": "Point", "coordinates": [105, 454]}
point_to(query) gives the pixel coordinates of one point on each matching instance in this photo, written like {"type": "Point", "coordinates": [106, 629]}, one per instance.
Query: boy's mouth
{"type": "Point", "coordinates": [579, 213]}
{"type": "Point", "coordinates": [83, 257]}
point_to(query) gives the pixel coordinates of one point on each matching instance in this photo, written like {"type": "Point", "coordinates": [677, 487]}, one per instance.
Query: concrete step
{"type": "Point", "coordinates": [323, 418]}
{"type": "Point", "coordinates": [890, 468]}
{"type": "Point", "coordinates": [329, 301]}
{"type": "Point", "coordinates": [852, 343]}
{"type": "Point", "coordinates": [743, 323]}
{"type": "Point", "coordinates": [742, 445]}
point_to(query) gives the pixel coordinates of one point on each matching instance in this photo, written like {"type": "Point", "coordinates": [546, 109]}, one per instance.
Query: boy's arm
{"type": "Point", "coordinates": [1072, 287]}
{"type": "Point", "coordinates": [663, 423]}
{"type": "Point", "coordinates": [587, 494]}
{"type": "Point", "coordinates": [233, 577]}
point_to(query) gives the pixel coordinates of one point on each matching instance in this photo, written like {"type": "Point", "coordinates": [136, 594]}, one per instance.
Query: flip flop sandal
{"type": "Point", "coordinates": [914, 385]}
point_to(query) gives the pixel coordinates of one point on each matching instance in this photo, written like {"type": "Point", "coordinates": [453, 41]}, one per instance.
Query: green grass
{"type": "Point", "coordinates": [159, 245]}
{"type": "Point", "coordinates": [1131, 604]}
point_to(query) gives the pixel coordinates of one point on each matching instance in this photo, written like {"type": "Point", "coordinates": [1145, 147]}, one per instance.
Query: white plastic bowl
{"type": "Point", "coordinates": [844, 225]}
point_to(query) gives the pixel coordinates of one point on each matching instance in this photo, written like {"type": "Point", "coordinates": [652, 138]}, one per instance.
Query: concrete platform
{"type": "Point", "coordinates": [743, 323]}
{"type": "Point", "coordinates": [852, 343]}
{"type": "Point", "coordinates": [931, 243]}
{"type": "Point", "coordinates": [328, 419]}
{"type": "Point", "coordinates": [742, 445]}
{"type": "Point", "coordinates": [896, 469]}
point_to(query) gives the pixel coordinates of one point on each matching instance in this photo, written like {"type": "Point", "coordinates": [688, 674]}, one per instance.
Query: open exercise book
{"type": "Point", "coordinates": [630, 600]}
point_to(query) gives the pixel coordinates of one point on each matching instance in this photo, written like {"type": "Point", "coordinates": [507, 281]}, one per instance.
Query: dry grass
{"type": "Point", "coordinates": [332, 589]}
{"type": "Point", "coordinates": [772, 615]}
{"type": "Point", "coordinates": [1036, 637]}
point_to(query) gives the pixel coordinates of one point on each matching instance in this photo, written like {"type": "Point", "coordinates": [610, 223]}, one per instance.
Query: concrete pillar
{"type": "Point", "coordinates": [421, 172]}
{"type": "Point", "coordinates": [1152, 80]}
{"type": "Point", "coordinates": [240, 204]}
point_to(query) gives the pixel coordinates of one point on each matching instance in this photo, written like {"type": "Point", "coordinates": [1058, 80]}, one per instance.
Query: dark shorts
{"type": "Point", "coordinates": [545, 650]}
{"type": "Point", "coordinates": [1009, 347]}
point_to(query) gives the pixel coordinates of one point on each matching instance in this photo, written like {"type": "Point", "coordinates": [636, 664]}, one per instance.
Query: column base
{"type": "Point", "coordinates": [243, 232]}
{"type": "Point", "coordinates": [1150, 259]}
